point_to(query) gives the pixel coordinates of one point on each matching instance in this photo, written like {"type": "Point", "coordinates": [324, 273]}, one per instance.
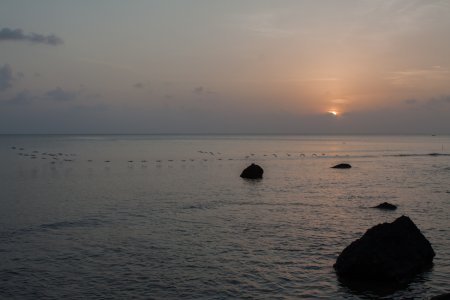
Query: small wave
{"type": "Point", "coordinates": [71, 224]}
{"type": "Point", "coordinates": [16, 233]}
{"type": "Point", "coordinates": [287, 249]}
{"type": "Point", "coordinates": [195, 206]}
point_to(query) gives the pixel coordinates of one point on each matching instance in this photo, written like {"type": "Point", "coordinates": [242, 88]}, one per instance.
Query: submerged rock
{"type": "Point", "coordinates": [342, 166]}
{"type": "Point", "coordinates": [389, 252]}
{"type": "Point", "coordinates": [386, 205]}
{"type": "Point", "coordinates": [252, 172]}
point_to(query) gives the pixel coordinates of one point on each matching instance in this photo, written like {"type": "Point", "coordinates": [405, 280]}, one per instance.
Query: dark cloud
{"type": "Point", "coordinates": [61, 95]}
{"type": "Point", "coordinates": [411, 101]}
{"type": "Point", "coordinates": [21, 99]}
{"type": "Point", "coordinates": [6, 77]}
{"type": "Point", "coordinates": [430, 103]}
{"type": "Point", "coordinates": [92, 108]}
{"type": "Point", "coordinates": [199, 90]}
{"type": "Point", "coordinates": [8, 34]}
{"type": "Point", "coordinates": [437, 101]}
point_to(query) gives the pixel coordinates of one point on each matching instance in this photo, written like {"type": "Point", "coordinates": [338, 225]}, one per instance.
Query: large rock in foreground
{"type": "Point", "coordinates": [252, 172]}
{"type": "Point", "coordinates": [441, 297]}
{"type": "Point", "coordinates": [389, 252]}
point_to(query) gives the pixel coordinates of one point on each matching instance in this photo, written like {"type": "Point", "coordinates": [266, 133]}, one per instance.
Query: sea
{"type": "Point", "coordinates": [168, 216]}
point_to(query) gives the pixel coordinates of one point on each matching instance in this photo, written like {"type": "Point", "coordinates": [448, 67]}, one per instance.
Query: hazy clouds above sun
{"type": "Point", "coordinates": [201, 66]}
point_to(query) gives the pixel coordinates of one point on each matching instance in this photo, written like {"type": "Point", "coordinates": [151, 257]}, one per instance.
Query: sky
{"type": "Point", "coordinates": [210, 66]}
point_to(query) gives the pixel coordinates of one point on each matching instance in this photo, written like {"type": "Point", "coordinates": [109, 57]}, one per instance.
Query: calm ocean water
{"type": "Point", "coordinates": [152, 217]}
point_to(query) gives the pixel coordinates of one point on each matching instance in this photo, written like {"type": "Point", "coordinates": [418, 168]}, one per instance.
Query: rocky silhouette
{"type": "Point", "coordinates": [386, 206]}
{"type": "Point", "coordinates": [342, 166]}
{"type": "Point", "coordinates": [441, 297]}
{"type": "Point", "coordinates": [252, 172]}
{"type": "Point", "coordinates": [389, 252]}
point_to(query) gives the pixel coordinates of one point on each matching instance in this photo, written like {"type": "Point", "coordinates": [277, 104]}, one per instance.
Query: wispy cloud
{"type": "Point", "coordinates": [8, 34]}
{"type": "Point", "coordinates": [263, 24]}
{"type": "Point", "coordinates": [6, 77]}
{"type": "Point", "coordinates": [412, 76]}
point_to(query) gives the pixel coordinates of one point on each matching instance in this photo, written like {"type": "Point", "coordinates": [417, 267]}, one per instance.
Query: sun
{"type": "Point", "coordinates": [333, 112]}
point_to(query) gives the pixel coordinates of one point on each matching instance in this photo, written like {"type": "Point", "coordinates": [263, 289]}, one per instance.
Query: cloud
{"type": "Point", "coordinates": [21, 99]}
{"type": "Point", "coordinates": [414, 76]}
{"type": "Point", "coordinates": [410, 101]}
{"type": "Point", "coordinates": [6, 77]}
{"type": "Point", "coordinates": [60, 95]}
{"type": "Point", "coordinates": [91, 108]}
{"type": "Point", "coordinates": [434, 102]}
{"type": "Point", "coordinates": [263, 24]}
{"type": "Point", "coordinates": [439, 101]}
{"type": "Point", "coordinates": [201, 90]}
{"type": "Point", "coordinates": [8, 34]}
{"type": "Point", "coordinates": [198, 90]}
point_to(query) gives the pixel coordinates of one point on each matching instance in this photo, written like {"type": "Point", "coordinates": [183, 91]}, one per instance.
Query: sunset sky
{"type": "Point", "coordinates": [206, 66]}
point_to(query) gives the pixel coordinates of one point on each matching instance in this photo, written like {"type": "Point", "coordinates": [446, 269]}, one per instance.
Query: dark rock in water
{"type": "Point", "coordinates": [386, 205]}
{"type": "Point", "coordinates": [441, 297]}
{"type": "Point", "coordinates": [252, 172]}
{"type": "Point", "coordinates": [389, 252]}
{"type": "Point", "coordinates": [342, 166]}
